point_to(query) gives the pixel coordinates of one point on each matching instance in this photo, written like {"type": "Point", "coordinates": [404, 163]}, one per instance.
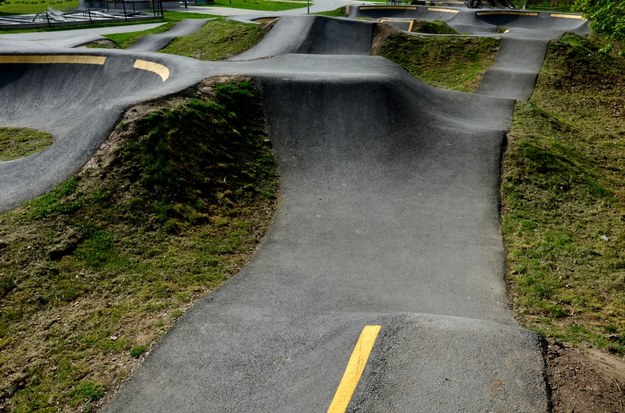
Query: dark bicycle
{"type": "Point", "coordinates": [475, 4]}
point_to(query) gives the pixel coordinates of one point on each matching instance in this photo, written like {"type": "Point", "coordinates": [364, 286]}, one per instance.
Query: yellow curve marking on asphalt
{"type": "Point", "coordinates": [515, 13]}
{"type": "Point", "coordinates": [355, 367]}
{"type": "Point", "coordinates": [567, 16]}
{"type": "Point", "coordinates": [54, 59]}
{"type": "Point", "coordinates": [387, 8]}
{"type": "Point", "coordinates": [153, 67]}
{"type": "Point", "coordinates": [443, 10]}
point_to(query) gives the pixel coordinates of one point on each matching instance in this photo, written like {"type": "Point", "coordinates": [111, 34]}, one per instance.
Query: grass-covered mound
{"type": "Point", "coordinates": [432, 27]}
{"type": "Point", "coordinates": [218, 39]}
{"type": "Point", "coordinates": [456, 63]}
{"type": "Point", "coordinates": [94, 272]}
{"type": "Point", "coordinates": [563, 198]}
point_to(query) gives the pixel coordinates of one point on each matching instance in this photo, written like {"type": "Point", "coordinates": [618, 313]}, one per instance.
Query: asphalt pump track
{"type": "Point", "coordinates": [389, 217]}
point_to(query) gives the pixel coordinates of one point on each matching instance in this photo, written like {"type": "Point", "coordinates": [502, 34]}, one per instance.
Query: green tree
{"type": "Point", "coordinates": [607, 16]}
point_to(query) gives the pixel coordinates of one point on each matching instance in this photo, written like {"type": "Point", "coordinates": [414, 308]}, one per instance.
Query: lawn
{"type": "Point", "coordinates": [563, 198]}
{"type": "Point", "coordinates": [456, 63]}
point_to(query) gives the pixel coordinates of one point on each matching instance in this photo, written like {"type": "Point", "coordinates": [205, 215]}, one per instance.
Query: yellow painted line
{"type": "Point", "coordinates": [443, 10]}
{"type": "Point", "coordinates": [355, 367]}
{"type": "Point", "coordinates": [567, 16]}
{"type": "Point", "coordinates": [53, 59]}
{"type": "Point", "coordinates": [410, 26]}
{"type": "Point", "coordinates": [515, 13]}
{"type": "Point", "coordinates": [387, 8]}
{"type": "Point", "coordinates": [395, 20]}
{"type": "Point", "coordinates": [153, 67]}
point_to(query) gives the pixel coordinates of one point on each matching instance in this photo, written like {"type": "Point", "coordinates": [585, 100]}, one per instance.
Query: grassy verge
{"type": "Point", "coordinates": [259, 4]}
{"type": "Point", "coordinates": [456, 63]}
{"type": "Point", "coordinates": [218, 39]}
{"type": "Point", "coordinates": [94, 272]}
{"type": "Point", "coordinates": [10, 7]}
{"type": "Point", "coordinates": [563, 198]}
{"type": "Point", "coordinates": [433, 27]}
{"type": "Point", "coordinates": [19, 142]}
{"type": "Point", "coordinates": [544, 5]}
{"type": "Point", "coordinates": [340, 12]}
{"type": "Point", "coordinates": [124, 40]}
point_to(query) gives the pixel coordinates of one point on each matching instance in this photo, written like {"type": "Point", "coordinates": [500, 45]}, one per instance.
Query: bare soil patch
{"type": "Point", "coordinates": [585, 380]}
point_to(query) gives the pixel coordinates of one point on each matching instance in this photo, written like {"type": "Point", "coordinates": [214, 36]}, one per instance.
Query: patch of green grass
{"type": "Point", "coordinates": [87, 391]}
{"type": "Point", "coordinates": [124, 40]}
{"type": "Point", "coordinates": [218, 39]}
{"type": "Point", "coordinates": [544, 5]}
{"type": "Point", "coordinates": [340, 12]}
{"type": "Point", "coordinates": [433, 27]}
{"type": "Point", "coordinates": [94, 272]}
{"type": "Point", "coordinates": [266, 5]}
{"type": "Point", "coordinates": [56, 201]}
{"type": "Point", "coordinates": [563, 193]}
{"type": "Point", "coordinates": [19, 142]}
{"type": "Point", "coordinates": [137, 351]}
{"type": "Point", "coordinates": [456, 63]}
{"type": "Point", "coordinates": [10, 7]}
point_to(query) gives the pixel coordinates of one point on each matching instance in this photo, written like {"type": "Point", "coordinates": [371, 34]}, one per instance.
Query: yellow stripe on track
{"type": "Point", "coordinates": [443, 10]}
{"type": "Point", "coordinates": [514, 13]}
{"type": "Point", "coordinates": [567, 16]}
{"type": "Point", "coordinates": [153, 67]}
{"type": "Point", "coordinates": [355, 367]}
{"type": "Point", "coordinates": [53, 59]}
{"type": "Point", "coordinates": [387, 8]}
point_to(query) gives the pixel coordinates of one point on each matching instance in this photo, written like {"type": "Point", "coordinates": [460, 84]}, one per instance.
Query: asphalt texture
{"type": "Point", "coordinates": [79, 104]}
{"type": "Point", "coordinates": [38, 41]}
{"type": "Point", "coordinates": [389, 216]}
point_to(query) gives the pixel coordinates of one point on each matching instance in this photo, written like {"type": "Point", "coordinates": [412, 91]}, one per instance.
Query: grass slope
{"type": "Point", "coordinates": [218, 39]}
{"type": "Point", "coordinates": [340, 12]}
{"type": "Point", "coordinates": [433, 27]}
{"type": "Point", "coordinates": [95, 271]}
{"type": "Point", "coordinates": [456, 63]}
{"type": "Point", "coordinates": [124, 40]}
{"type": "Point", "coordinates": [563, 198]}
{"type": "Point", "coordinates": [265, 5]}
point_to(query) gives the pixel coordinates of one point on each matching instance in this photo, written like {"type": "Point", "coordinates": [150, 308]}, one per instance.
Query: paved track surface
{"type": "Point", "coordinates": [79, 104]}
{"type": "Point", "coordinates": [389, 216]}
{"type": "Point", "coordinates": [521, 23]}
{"type": "Point", "coordinates": [516, 68]}
{"type": "Point", "coordinates": [306, 35]}
{"type": "Point", "coordinates": [62, 38]}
